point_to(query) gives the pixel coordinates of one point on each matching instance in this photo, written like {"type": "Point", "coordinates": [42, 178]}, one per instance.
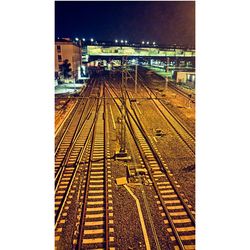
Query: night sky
{"type": "Point", "coordinates": [164, 22]}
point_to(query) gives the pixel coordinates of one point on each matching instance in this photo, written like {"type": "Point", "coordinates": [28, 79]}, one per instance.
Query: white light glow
{"type": "Point", "coordinates": [76, 39]}
{"type": "Point", "coordinates": [147, 42]}
{"type": "Point", "coordinates": [91, 40]}
{"type": "Point", "coordinates": [143, 42]}
{"type": "Point", "coordinates": [116, 41]}
{"type": "Point", "coordinates": [126, 41]}
{"type": "Point", "coordinates": [83, 39]}
{"type": "Point", "coordinates": [121, 41]}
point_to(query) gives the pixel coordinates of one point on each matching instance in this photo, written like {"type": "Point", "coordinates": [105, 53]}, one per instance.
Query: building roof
{"type": "Point", "coordinates": [66, 41]}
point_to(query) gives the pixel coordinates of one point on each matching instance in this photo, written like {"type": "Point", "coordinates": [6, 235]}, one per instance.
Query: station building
{"type": "Point", "coordinates": [185, 77]}
{"type": "Point", "coordinates": [72, 51]}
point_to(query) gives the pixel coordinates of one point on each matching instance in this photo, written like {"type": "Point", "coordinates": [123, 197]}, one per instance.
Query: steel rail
{"type": "Point", "coordinates": [176, 234]}
{"type": "Point", "coordinates": [84, 207]}
{"type": "Point", "coordinates": [86, 91]}
{"type": "Point", "coordinates": [128, 121]}
{"type": "Point", "coordinates": [129, 125]}
{"type": "Point", "coordinates": [83, 92]}
{"type": "Point", "coordinates": [106, 174]}
{"type": "Point", "coordinates": [70, 119]}
{"type": "Point", "coordinates": [167, 109]}
{"type": "Point", "coordinates": [159, 160]}
{"type": "Point", "coordinates": [77, 164]}
{"type": "Point", "coordinates": [143, 131]}
{"type": "Point", "coordinates": [151, 222]}
{"type": "Point", "coordinates": [67, 116]}
{"type": "Point", "coordinates": [174, 128]}
{"type": "Point", "coordinates": [182, 92]}
{"type": "Point", "coordinates": [72, 144]}
{"type": "Point", "coordinates": [59, 211]}
{"type": "Point", "coordinates": [174, 117]}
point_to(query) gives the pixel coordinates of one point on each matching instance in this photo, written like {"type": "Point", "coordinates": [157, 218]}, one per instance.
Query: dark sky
{"type": "Point", "coordinates": [165, 22]}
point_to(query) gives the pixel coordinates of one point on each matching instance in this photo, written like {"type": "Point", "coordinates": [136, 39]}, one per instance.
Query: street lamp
{"type": "Point", "coordinates": [91, 40]}
{"type": "Point", "coordinates": [147, 42]}
{"type": "Point", "coordinates": [121, 41]}
{"type": "Point", "coordinates": [83, 39]}
{"type": "Point", "coordinates": [143, 42]}
{"type": "Point", "coordinates": [76, 39]}
{"type": "Point", "coordinates": [126, 41]}
{"type": "Point", "coordinates": [153, 43]}
{"type": "Point", "coordinates": [116, 41]}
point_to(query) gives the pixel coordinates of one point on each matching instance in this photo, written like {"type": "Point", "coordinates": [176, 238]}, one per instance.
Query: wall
{"type": "Point", "coordinates": [71, 52]}
{"type": "Point", "coordinates": [182, 76]}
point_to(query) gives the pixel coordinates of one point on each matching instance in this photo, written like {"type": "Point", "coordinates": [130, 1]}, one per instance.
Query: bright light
{"type": "Point", "coordinates": [91, 40]}
{"type": "Point", "coordinates": [147, 42]}
{"type": "Point", "coordinates": [143, 42]}
{"type": "Point", "coordinates": [116, 41]}
{"type": "Point", "coordinates": [76, 39]}
{"type": "Point", "coordinates": [126, 41]}
{"type": "Point", "coordinates": [154, 43]}
{"type": "Point", "coordinates": [83, 39]}
{"type": "Point", "coordinates": [121, 41]}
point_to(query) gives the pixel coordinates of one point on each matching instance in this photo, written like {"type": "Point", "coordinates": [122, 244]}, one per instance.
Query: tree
{"type": "Point", "coordinates": [65, 69]}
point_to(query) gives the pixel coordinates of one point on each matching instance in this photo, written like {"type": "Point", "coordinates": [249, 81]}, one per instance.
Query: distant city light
{"type": "Point", "coordinates": [126, 41]}
{"type": "Point", "coordinates": [83, 39]}
{"type": "Point", "coordinates": [76, 38]}
{"type": "Point", "coordinates": [143, 42]}
{"type": "Point", "coordinates": [153, 43]}
{"type": "Point", "coordinates": [116, 41]}
{"type": "Point", "coordinates": [147, 42]}
{"type": "Point", "coordinates": [91, 40]}
{"type": "Point", "coordinates": [121, 41]}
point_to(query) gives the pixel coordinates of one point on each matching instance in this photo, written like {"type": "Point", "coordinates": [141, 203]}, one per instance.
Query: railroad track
{"type": "Point", "coordinates": [65, 178]}
{"type": "Point", "coordinates": [175, 88]}
{"type": "Point", "coordinates": [72, 120]}
{"type": "Point", "coordinates": [179, 128]}
{"type": "Point", "coordinates": [176, 212]}
{"type": "Point", "coordinates": [182, 92]}
{"type": "Point", "coordinates": [88, 195]}
{"type": "Point", "coordinates": [75, 138]}
{"type": "Point", "coordinates": [75, 134]}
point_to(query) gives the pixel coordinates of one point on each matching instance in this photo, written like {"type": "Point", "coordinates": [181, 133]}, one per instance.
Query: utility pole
{"type": "Point", "coordinates": [123, 125]}
{"type": "Point", "coordinates": [136, 75]}
{"type": "Point", "coordinates": [166, 83]}
{"type": "Point", "coordinates": [167, 69]}
{"type": "Point", "coordinates": [122, 154]}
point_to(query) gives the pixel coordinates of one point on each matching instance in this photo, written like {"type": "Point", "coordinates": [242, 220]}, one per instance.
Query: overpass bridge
{"type": "Point", "coordinates": [112, 51]}
{"type": "Point", "coordinates": [150, 54]}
